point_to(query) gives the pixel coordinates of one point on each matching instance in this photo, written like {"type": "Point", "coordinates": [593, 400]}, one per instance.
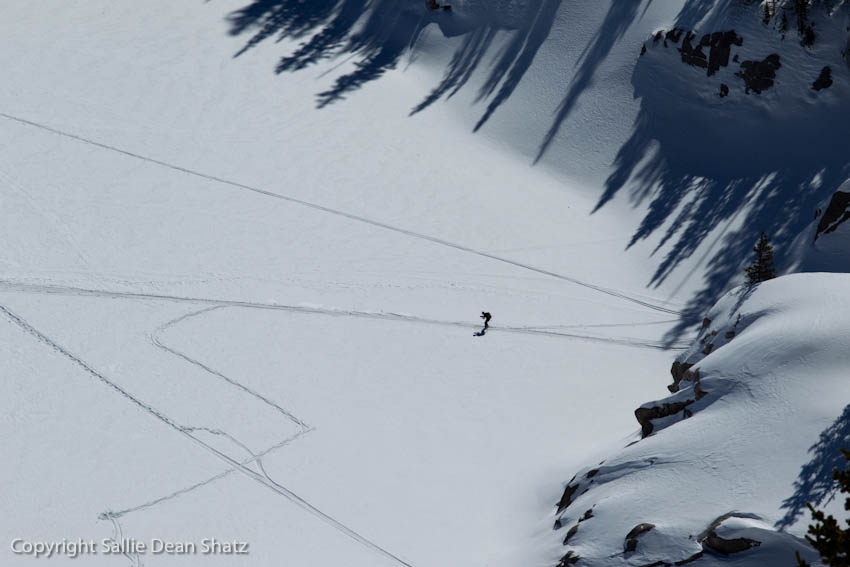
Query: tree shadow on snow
{"type": "Point", "coordinates": [378, 33]}
{"type": "Point", "coordinates": [618, 19]}
{"type": "Point", "coordinates": [736, 167]}
{"type": "Point", "coordinates": [723, 168]}
{"type": "Point", "coordinates": [814, 484]}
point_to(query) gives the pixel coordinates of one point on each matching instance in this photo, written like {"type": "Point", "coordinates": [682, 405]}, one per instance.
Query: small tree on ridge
{"type": "Point", "coordinates": [762, 267]}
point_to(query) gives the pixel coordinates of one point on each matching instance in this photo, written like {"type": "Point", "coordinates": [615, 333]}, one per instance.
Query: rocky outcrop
{"type": "Point", "coordinates": [710, 540]}
{"type": "Point", "coordinates": [693, 55]}
{"type": "Point", "coordinates": [836, 213]}
{"type": "Point", "coordinates": [759, 75]}
{"type": "Point", "coordinates": [729, 546]}
{"type": "Point", "coordinates": [567, 497]}
{"type": "Point", "coordinates": [678, 371]}
{"type": "Point", "coordinates": [721, 48]}
{"type": "Point", "coordinates": [631, 541]}
{"type": "Point", "coordinates": [824, 80]}
{"type": "Point", "coordinates": [682, 372]}
{"type": "Point", "coordinates": [673, 35]}
{"type": "Point", "coordinates": [569, 559]}
{"type": "Point", "coordinates": [719, 45]}
{"type": "Point", "coordinates": [646, 415]}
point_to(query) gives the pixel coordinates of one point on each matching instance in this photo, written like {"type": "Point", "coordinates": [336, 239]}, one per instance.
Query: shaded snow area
{"type": "Point", "coordinates": [246, 244]}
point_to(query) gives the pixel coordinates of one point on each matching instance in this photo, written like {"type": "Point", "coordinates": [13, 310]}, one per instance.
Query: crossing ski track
{"type": "Point", "coordinates": [261, 478]}
{"type": "Point", "coordinates": [211, 304]}
{"type": "Point", "coordinates": [156, 341]}
{"type": "Point", "coordinates": [418, 235]}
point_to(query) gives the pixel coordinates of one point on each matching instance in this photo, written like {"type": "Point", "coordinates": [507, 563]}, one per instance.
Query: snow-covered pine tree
{"type": "Point", "coordinates": [762, 267]}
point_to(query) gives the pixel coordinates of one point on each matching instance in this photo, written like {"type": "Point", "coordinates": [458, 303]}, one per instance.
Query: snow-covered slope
{"type": "Point", "coordinates": [748, 438]}
{"type": "Point", "coordinates": [245, 244]}
{"type": "Point", "coordinates": [230, 314]}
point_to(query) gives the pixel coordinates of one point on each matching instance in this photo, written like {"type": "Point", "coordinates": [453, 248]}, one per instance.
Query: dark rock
{"type": "Point", "coordinates": [558, 525]}
{"type": "Point", "coordinates": [759, 75]}
{"type": "Point", "coordinates": [711, 541]}
{"type": "Point", "coordinates": [693, 55]}
{"type": "Point", "coordinates": [824, 80]}
{"type": "Point", "coordinates": [721, 47]}
{"type": "Point", "coordinates": [646, 415]}
{"type": "Point", "coordinates": [674, 35]}
{"type": "Point", "coordinates": [724, 90]}
{"type": "Point", "coordinates": [569, 559]}
{"type": "Point", "coordinates": [735, 60]}
{"type": "Point", "coordinates": [836, 213]}
{"type": "Point", "coordinates": [573, 531]}
{"type": "Point", "coordinates": [658, 35]}
{"type": "Point", "coordinates": [587, 515]}
{"type": "Point", "coordinates": [730, 335]}
{"type": "Point", "coordinates": [729, 546]}
{"type": "Point", "coordinates": [447, 8]}
{"type": "Point", "coordinates": [591, 473]}
{"type": "Point", "coordinates": [631, 541]}
{"type": "Point", "coordinates": [699, 393]}
{"type": "Point", "coordinates": [678, 371]}
{"type": "Point", "coordinates": [567, 497]}
{"type": "Point", "coordinates": [706, 323]}
{"type": "Point", "coordinates": [643, 49]}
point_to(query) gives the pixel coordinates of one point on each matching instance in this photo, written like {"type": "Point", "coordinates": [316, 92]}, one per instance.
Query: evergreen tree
{"type": "Point", "coordinates": [826, 535]}
{"type": "Point", "coordinates": [762, 267]}
{"type": "Point", "coordinates": [802, 9]}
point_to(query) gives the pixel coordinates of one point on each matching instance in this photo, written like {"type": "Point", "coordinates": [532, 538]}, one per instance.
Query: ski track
{"type": "Point", "coordinates": [263, 478]}
{"type": "Point", "coordinates": [155, 340]}
{"type": "Point", "coordinates": [607, 291]}
{"type": "Point", "coordinates": [118, 535]}
{"type": "Point", "coordinates": [213, 304]}
{"type": "Point", "coordinates": [78, 291]}
{"type": "Point", "coordinates": [177, 493]}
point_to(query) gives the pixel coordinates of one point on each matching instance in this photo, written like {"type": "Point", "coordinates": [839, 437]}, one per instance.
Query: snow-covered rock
{"type": "Point", "coordinates": [731, 471]}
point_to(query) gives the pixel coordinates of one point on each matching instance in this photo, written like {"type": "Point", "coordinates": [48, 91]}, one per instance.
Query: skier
{"type": "Point", "coordinates": [486, 316]}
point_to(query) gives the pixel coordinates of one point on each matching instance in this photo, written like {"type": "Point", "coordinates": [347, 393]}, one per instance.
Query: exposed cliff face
{"type": "Point", "coordinates": [835, 214]}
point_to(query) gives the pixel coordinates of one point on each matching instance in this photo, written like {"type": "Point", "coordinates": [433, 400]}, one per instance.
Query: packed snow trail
{"type": "Point", "coordinates": [69, 290]}
{"type": "Point", "coordinates": [261, 478]}
{"type": "Point", "coordinates": [337, 212]}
